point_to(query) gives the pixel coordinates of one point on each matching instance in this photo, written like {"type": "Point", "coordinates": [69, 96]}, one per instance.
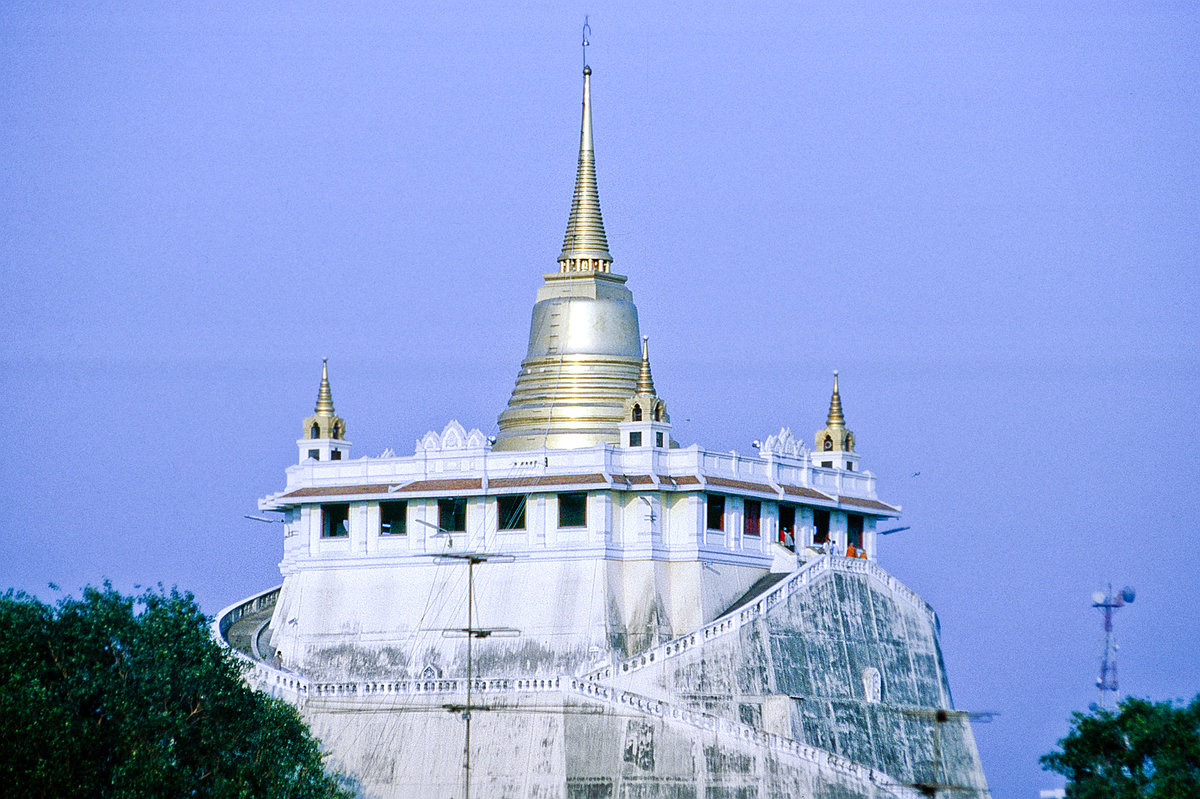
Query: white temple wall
{"type": "Point", "coordinates": [390, 619]}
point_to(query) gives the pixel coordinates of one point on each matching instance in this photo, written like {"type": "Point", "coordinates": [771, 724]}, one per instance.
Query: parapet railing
{"type": "Point", "coordinates": [738, 618]}
{"type": "Point", "coordinates": [743, 732]}
{"type": "Point", "coordinates": [227, 617]}
{"type": "Point", "coordinates": [268, 679]}
{"type": "Point", "coordinates": [378, 688]}
{"type": "Point", "coordinates": [293, 687]}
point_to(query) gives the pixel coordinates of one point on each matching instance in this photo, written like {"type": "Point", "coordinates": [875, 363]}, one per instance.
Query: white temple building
{"type": "Point", "coordinates": [581, 606]}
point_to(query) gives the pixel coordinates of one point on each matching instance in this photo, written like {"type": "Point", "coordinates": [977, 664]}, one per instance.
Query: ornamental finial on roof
{"type": "Point", "coordinates": [835, 437]}
{"type": "Point", "coordinates": [585, 247]}
{"type": "Point", "coordinates": [645, 383]}
{"type": "Point", "coordinates": [835, 419]}
{"type": "Point", "coordinates": [324, 394]}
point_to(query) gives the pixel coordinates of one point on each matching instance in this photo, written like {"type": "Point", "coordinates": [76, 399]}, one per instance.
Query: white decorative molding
{"type": "Point", "coordinates": [453, 437]}
{"type": "Point", "coordinates": [785, 444]}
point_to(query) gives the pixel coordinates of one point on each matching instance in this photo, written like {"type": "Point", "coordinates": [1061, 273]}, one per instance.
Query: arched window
{"type": "Point", "coordinates": [828, 443]}
{"type": "Point", "coordinates": [316, 431]}
{"type": "Point", "coordinates": [637, 413]}
{"type": "Point", "coordinates": [337, 431]}
{"type": "Point", "coordinates": [658, 413]}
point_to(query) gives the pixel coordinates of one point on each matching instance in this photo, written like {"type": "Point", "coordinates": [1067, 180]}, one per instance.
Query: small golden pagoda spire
{"type": "Point", "coordinates": [834, 437]}
{"type": "Point", "coordinates": [585, 247]}
{"type": "Point", "coordinates": [324, 395]}
{"type": "Point", "coordinates": [835, 419]}
{"type": "Point", "coordinates": [645, 383]}
{"type": "Point", "coordinates": [324, 436]}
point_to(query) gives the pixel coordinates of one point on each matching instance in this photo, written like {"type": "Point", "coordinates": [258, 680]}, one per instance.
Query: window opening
{"type": "Point", "coordinates": [821, 523]}
{"type": "Point", "coordinates": [828, 444]}
{"type": "Point", "coordinates": [787, 526]}
{"type": "Point", "coordinates": [854, 530]}
{"type": "Point", "coordinates": [637, 413]}
{"type": "Point", "coordinates": [393, 517]}
{"type": "Point", "coordinates": [452, 514]}
{"type": "Point", "coordinates": [751, 516]}
{"type": "Point", "coordinates": [335, 520]}
{"type": "Point", "coordinates": [315, 454]}
{"type": "Point", "coordinates": [716, 512]}
{"type": "Point", "coordinates": [336, 455]}
{"type": "Point", "coordinates": [315, 432]}
{"type": "Point", "coordinates": [658, 413]}
{"type": "Point", "coordinates": [635, 438]}
{"type": "Point", "coordinates": [572, 509]}
{"type": "Point", "coordinates": [511, 511]}
{"type": "Point", "coordinates": [658, 439]}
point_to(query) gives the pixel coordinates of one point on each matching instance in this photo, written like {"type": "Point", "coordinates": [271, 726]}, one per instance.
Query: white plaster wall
{"type": "Point", "coordinates": [560, 608]}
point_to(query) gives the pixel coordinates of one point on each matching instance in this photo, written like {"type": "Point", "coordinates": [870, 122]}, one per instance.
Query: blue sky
{"type": "Point", "coordinates": [983, 214]}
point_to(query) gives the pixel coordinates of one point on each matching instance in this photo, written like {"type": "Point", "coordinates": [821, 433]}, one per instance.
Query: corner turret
{"type": "Point", "coordinates": [324, 431]}
{"type": "Point", "coordinates": [645, 420]}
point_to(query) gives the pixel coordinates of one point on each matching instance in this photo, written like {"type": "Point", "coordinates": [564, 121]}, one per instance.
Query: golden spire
{"type": "Point", "coordinates": [585, 247]}
{"type": "Point", "coordinates": [836, 419]}
{"type": "Point", "coordinates": [645, 383]}
{"type": "Point", "coordinates": [583, 360]}
{"type": "Point", "coordinates": [323, 423]}
{"type": "Point", "coordinates": [324, 395]}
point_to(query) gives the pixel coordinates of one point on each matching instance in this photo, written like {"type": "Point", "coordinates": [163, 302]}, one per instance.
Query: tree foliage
{"type": "Point", "coordinates": [1147, 750]}
{"type": "Point", "coordinates": [115, 696]}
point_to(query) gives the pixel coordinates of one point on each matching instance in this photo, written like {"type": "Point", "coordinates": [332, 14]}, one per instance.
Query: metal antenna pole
{"type": "Point", "coordinates": [1108, 666]}
{"type": "Point", "coordinates": [587, 29]}
{"type": "Point", "coordinates": [1107, 603]}
{"type": "Point", "coordinates": [470, 639]}
{"type": "Point", "coordinates": [472, 632]}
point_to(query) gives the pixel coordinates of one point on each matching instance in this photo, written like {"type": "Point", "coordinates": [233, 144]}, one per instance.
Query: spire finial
{"type": "Point", "coordinates": [324, 395]}
{"type": "Point", "coordinates": [645, 383]}
{"type": "Point", "coordinates": [836, 419]}
{"type": "Point", "coordinates": [585, 246]}
{"type": "Point", "coordinates": [587, 30]}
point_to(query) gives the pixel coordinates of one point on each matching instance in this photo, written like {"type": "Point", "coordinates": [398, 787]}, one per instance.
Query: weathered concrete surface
{"type": "Point", "coordinates": [830, 684]}
{"type": "Point", "coordinates": [387, 622]}
{"type": "Point", "coordinates": [562, 746]}
{"type": "Point", "coordinates": [802, 669]}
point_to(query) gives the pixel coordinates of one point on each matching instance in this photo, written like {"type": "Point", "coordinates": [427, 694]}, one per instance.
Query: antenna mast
{"type": "Point", "coordinates": [472, 559]}
{"type": "Point", "coordinates": [1106, 602]}
{"type": "Point", "coordinates": [587, 31]}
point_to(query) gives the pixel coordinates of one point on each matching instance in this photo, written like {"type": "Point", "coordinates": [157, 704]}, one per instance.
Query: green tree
{"type": "Point", "coordinates": [1147, 750]}
{"type": "Point", "coordinates": [115, 696]}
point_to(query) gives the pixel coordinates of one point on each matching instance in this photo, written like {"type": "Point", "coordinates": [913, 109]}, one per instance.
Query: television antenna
{"type": "Point", "coordinates": [1107, 603]}
{"type": "Point", "coordinates": [932, 786]}
{"type": "Point", "coordinates": [471, 632]}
